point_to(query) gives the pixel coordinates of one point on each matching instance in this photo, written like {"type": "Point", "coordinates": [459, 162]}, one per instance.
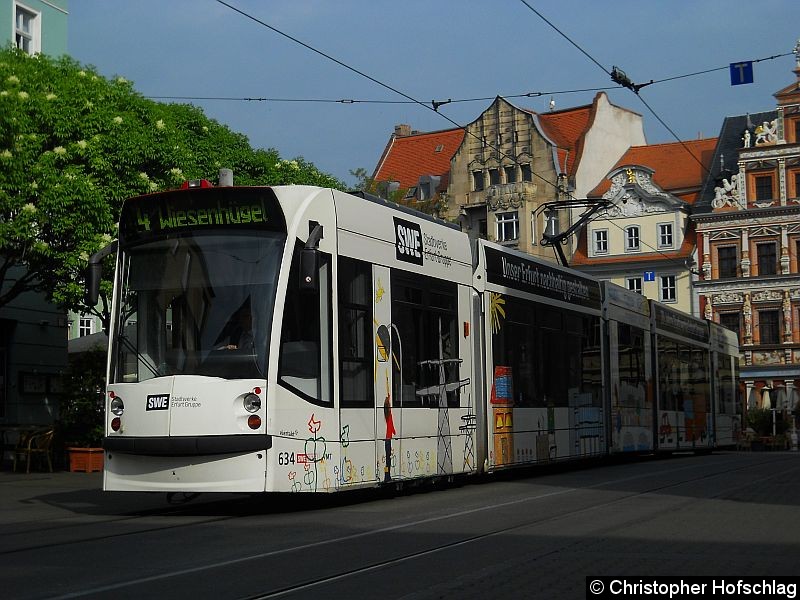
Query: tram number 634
{"type": "Point", "coordinates": [285, 458]}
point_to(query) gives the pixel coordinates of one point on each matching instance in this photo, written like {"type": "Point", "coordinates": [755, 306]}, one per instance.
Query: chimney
{"type": "Point", "coordinates": [225, 178]}
{"type": "Point", "coordinates": [402, 130]}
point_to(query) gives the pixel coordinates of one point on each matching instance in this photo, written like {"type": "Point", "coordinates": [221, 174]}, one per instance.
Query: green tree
{"type": "Point", "coordinates": [74, 145]}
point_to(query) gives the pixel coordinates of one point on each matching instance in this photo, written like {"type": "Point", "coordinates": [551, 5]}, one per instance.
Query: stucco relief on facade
{"type": "Point", "coordinates": [767, 296]}
{"type": "Point", "coordinates": [727, 194]}
{"type": "Point", "coordinates": [768, 357]}
{"type": "Point", "coordinates": [728, 298]}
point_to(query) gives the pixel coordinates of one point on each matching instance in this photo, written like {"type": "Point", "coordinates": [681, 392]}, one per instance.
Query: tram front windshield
{"type": "Point", "coordinates": [197, 304]}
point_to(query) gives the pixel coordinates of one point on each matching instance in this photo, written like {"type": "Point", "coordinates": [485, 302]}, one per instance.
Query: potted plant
{"type": "Point", "coordinates": [81, 418]}
{"type": "Point", "coordinates": [761, 421]}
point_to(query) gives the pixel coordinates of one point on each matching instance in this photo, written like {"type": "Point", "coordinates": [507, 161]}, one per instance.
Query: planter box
{"type": "Point", "coordinates": [86, 460]}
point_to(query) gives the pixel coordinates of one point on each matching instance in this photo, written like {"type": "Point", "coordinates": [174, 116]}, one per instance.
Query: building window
{"type": "Point", "coordinates": [85, 326]}
{"type": "Point", "coordinates": [533, 229]}
{"type": "Point", "coordinates": [794, 177]}
{"type": "Point", "coordinates": [477, 181]}
{"type": "Point", "coordinates": [600, 241]}
{"type": "Point", "coordinates": [26, 30]}
{"type": "Point", "coordinates": [507, 226]}
{"type": "Point", "coordinates": [634, 284]}
{"type": "Point", "coordinates": [767, 260]}
{"type": "Point", "coordinates": [511, 173]}
{"type": "Point", "coordinates": [763, 187]}
{"type": "Point", "coordinates": [665, 235]}
{"type": "Point", "coordinates": [668, 293]}
{"type": "Point", "coordinates": [732, 321]}
{"type": "Point", "coordinates": [494, 176]}
{"type": "Point", "coordinates": [527, 174]}
{"type": "Point", "coordinates": [727, 261]}
{"type": "Point", "coordinates": [632, 238]}
{"type": "Point", "coordinates": [768, 326]}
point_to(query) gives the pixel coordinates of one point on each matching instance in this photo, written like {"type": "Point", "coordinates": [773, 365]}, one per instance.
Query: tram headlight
{"type": "Point", "coordinates": [117, 406]}
{"type": "Point", "coordinates": [252, 403]}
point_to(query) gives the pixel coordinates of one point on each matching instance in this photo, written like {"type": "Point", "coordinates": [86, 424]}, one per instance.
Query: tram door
{"type": "Point", "coordinates": [388, 358]}
{"type": "Point", "coordinates": [424, 386]}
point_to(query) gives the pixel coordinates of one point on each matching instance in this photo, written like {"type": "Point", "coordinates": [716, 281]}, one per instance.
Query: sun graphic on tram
{"type": "Point", "coordinates": [497, 311]}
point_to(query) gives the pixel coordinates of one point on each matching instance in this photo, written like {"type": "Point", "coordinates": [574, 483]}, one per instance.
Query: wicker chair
{"type": "Point", "coordinates": [34, 443]}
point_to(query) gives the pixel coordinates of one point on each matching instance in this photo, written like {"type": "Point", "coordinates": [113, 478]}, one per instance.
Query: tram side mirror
{"type": "Point", "coordinates": [309, 259]}
{"type": "Point", "coordinates": [309, 270]}
{"type": "Point", "coordinates": [94, 273]}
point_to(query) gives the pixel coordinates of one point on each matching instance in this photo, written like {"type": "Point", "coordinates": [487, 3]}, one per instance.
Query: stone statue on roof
{"type": "Point", "coordinates": [797, 53]}
{"type": "Point", "coordinates": [727, 194]}
{"type": "Point", "coordinates": [767, 133]}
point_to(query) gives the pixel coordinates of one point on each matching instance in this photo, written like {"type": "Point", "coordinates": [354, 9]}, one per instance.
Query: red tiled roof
{"type": "Point", "coordinates": [407, 158]}
{"type": "Point", "coordinates": [566, 129]}
{"type": "Point", "coordinates": [677, 166]}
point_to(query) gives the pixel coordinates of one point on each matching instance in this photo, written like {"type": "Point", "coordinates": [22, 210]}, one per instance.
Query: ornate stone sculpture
{"type": "Point", "coordinates": [767, 133]}
{"type": "Point", "coordinates": [727, 194]}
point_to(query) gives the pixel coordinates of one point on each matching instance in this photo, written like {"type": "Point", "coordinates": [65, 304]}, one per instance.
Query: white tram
{"type": "Point", "coordinates": [298, 339]}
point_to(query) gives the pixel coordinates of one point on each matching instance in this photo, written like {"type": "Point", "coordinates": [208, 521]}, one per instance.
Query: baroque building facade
{"type": "Point", "coordinates": [748, 239]}
{"type": "Point", "coordinates": [644, 239]}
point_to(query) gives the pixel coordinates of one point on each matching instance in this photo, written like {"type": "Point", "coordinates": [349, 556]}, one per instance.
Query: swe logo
{"type": "Point", "coordinates": [408, 241]}
{"type": "Point", "coordinates": [157, 402]}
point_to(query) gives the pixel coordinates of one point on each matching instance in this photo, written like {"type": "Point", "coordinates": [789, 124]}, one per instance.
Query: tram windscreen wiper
{"type": "Point", "coordinates": [127, 343]}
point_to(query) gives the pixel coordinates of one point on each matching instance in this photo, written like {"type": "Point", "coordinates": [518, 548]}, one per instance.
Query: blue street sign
{"type": "Point", "coordinates": [649, 275]}
{"type": "Point", "coordinates": [742, 72]}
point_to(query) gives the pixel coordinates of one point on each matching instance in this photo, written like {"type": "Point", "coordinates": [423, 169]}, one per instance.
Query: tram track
{"type": "Point", "coordinates": [388, 562]}
{"type": "Point", "coordinates": [309, 585]}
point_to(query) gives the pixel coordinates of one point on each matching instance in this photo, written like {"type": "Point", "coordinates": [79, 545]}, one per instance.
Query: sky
{"type": "Point", "coordinates": [430, 50]}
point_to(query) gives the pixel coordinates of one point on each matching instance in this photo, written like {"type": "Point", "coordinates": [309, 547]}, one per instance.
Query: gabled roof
{"type": "Point", "coordinates": [407, 158]}
{"type": "Point", "coordinates": [566, 129]}
{"type": "Point", "coordinates": [729, 143]}
{"type": "Point", "coordinates": [679, 167]}
{"type": "Point", "coordinates": [791, 93]}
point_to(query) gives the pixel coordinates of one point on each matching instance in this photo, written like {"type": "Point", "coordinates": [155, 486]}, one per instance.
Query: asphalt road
{"type": "Point", "coordinates": [536, 535]}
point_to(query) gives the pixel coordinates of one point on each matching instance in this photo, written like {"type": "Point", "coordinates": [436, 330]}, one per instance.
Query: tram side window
{"type": "Point", "coordinates": [683, 375]}
{"type": "Point", "coordinates": [631, 355]}
{"type": "Point", "coordinates": [514, 354]}
{"type": "Point", "coordinates": [554, 363]}
{"type": "Point", "coordinates": [425, 357]}
{"type": "Point", "coordinates": [570, 366]}
{"type": "Point", "coordinates": [355, 334]}
{"type": "Point", "coordinates": [305, 356]}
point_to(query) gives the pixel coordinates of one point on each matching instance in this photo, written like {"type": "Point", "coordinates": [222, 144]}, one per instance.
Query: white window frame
{"type": "Point", "coordinates": [85, 326]}
{"type": "Point", "coordinates": [666, 232]}
{"type": "Point", "coordinates": [634, 284]}
{"type": "Point", "coordinates": [668, 292]}
{"type": "Point", "coordinates": [503, 220]}
{"type": "Point", "coordinates": [533, 229]}
{"type": "Point", "coordinates": [600, 246]}
{"type": "Point", "coordinates": [628, 231]}
{"type": "Point", "coordinates": [34, 33]}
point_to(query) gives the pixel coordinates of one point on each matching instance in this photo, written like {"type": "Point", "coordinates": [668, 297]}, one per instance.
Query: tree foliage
{"type": "Point", "coordinates": [74, 145]}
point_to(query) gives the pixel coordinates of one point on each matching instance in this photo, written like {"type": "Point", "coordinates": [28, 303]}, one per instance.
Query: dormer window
{"type": "Point", "coordinates": [632, 238]}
